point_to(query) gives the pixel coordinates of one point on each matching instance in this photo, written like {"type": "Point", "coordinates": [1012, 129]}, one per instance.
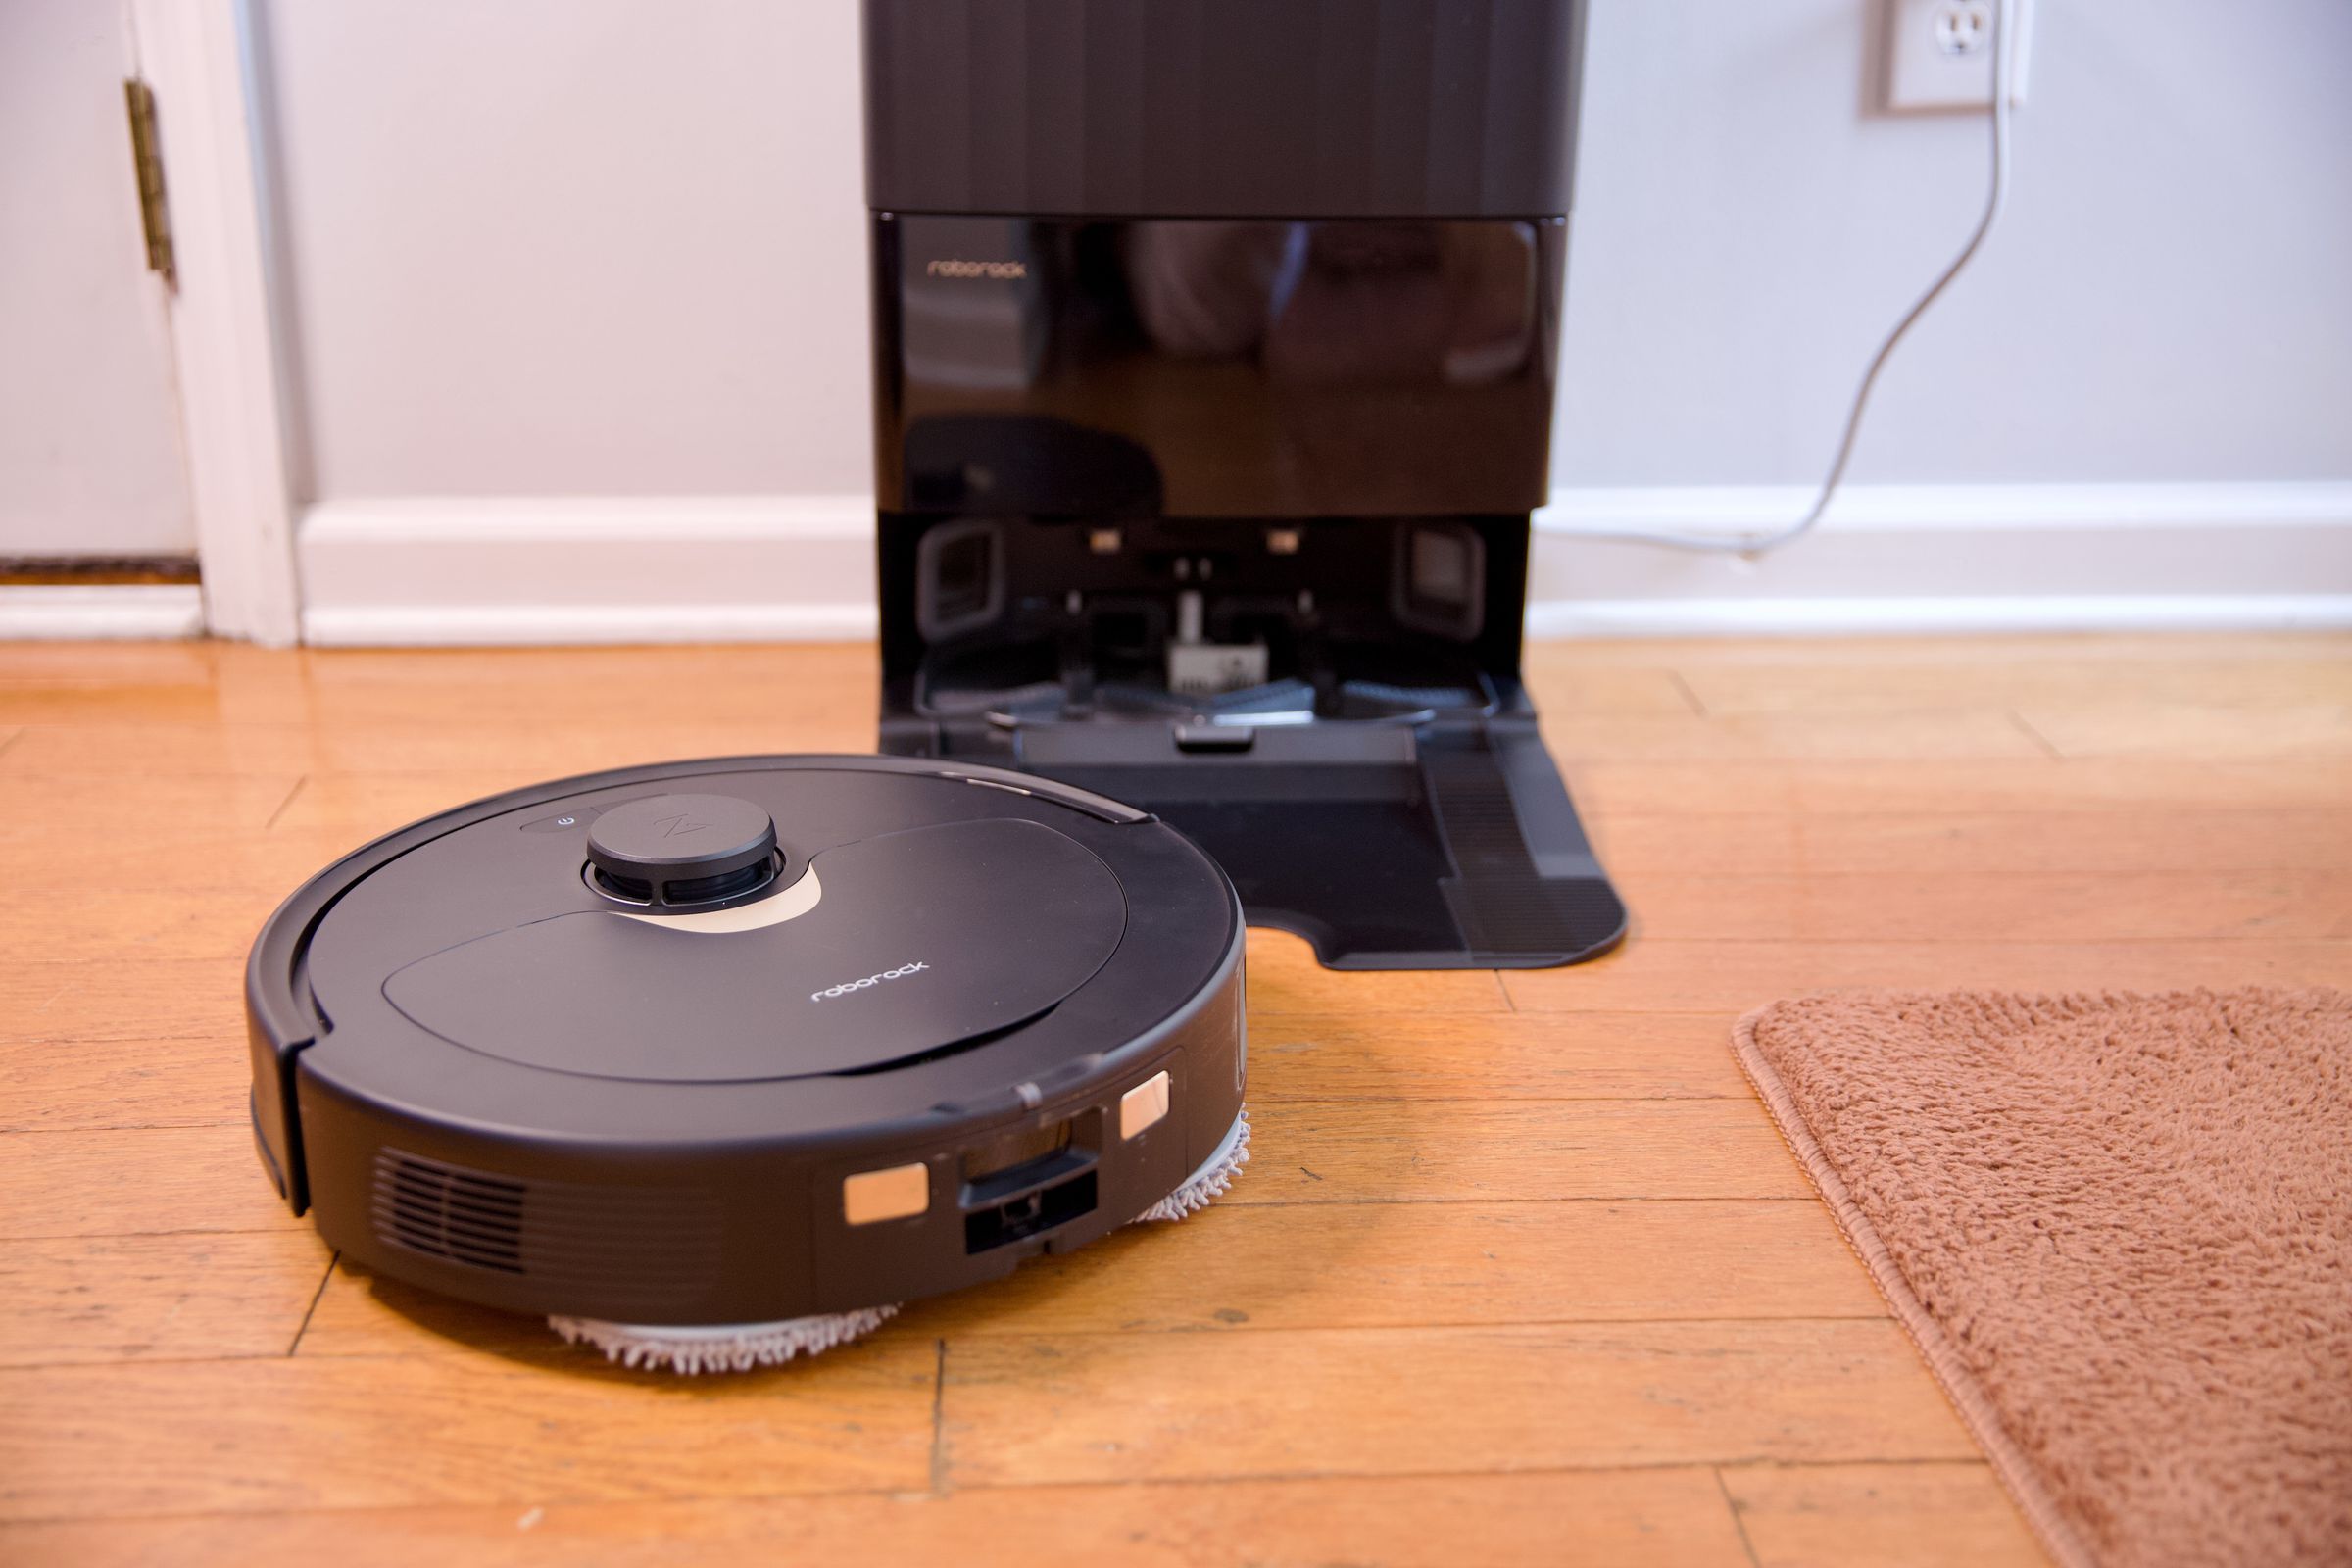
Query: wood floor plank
{"type": "Point", "coordinates": [1401, 1264]}
{"type": "Point", "coordinates": [110, 663]}
{"type": "Point", "coordinates": [1284, 978]}
{"type": "Point", "coordinates": [1994, 905]}
{"type": "Point", "coordinates": [525, 754]}
{"type": "Point", "coordinates": [98, 997]}
{"type": "Point", "coordinates": [2123, 653]}
{"type": "Point", "coordinates": [1834, 681]}
{"type": "Point", "coordinates": [1490, 1056]}
{"type": "Point", "coordinates": [1899, 1515]}
{"type": "Point", "coordinates": [753, 688]}
{"type": "Point", "coordinates": [55, 1085]}
{"type": "Point", "coordinates": [1733, 977]}
{"type": "Point", "coordinates": [1238, 1268]}
{"type": "Point", "coordinates": [1667, 1518]}
{"type": "Point", "coordinates": [354, 806]}
{"type": "Point", "coordinates": [140, 808]}
{"type": "Point", "coordinates": [1577, 688]}
{"type": "Point", "coordinates": [2178, 730]}
{"type": "Point", "coordinates": [1604, 787]}
{"type": "Point", "coordinates": [1372, 1402]}
{"type": "Point", "coordinates": [70, 700]}
{"type": "Point", "coordinates": [126, 925]}
{"type": "Point", "coordinates": [210, 1437]}
{"type": "Point", "coordinates": [180, 866]}
{"type": "Point", "coordinates": [136, 1181]}
{"type": "Point", "coordinates": [1457, 1152]}
{"type": "Point", "coordinates": [1976, 733]}
{"type": "Point", "coordinates": [2126, 842]}
{"type": "Point", "coordinates": [171, 1298]}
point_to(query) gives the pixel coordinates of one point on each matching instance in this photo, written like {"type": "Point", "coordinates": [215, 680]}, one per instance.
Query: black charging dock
{"type": "Point", "coordinates": [1214, 356]}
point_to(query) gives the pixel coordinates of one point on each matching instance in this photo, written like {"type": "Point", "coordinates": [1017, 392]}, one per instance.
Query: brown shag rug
{"type": "Point", "coordinates": [2120, 1228]}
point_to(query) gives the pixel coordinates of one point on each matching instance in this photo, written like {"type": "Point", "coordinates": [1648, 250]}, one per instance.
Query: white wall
{"type": "Point", "coordinates": [614, 246]}
{"type": "Point", "coordinates": [2169, 297]}
{"type": "Point", "coordinates": [89, 462]}
{"type": "Point", "coordinates": [572, 246]}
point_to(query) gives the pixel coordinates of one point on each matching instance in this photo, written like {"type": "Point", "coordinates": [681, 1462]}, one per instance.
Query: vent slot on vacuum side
{"type": "Point", "coordinates": [652, 1248]}
{"type": "Point", "coordinates": [448, 1211]}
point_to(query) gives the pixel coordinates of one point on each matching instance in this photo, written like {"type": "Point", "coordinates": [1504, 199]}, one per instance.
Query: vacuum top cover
{"type": "Point", "coordinates": [786, 934]}
{"type": "Point", "coordinates": [864, 959]}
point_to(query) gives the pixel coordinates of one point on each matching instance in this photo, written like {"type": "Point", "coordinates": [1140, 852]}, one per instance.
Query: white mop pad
{"type": "Point", "coordinates": [740, 1346]}
{"type": "Point", "coordinates": [1216, 1173]}
{"type": "Point", "coordinates": [724, 1346]}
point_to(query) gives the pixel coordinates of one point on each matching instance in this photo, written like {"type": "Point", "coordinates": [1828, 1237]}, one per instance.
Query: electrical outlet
{"type": "Point", "coordinates": [1940, 53]}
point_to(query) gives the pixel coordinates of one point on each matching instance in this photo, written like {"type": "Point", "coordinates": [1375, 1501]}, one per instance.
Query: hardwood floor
{"type": "Point", "coordinates": [1521, 1273]}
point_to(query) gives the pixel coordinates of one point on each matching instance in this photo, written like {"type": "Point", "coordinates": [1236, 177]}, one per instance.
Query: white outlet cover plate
{"type": "Point", "coordinates": [1921, 78]}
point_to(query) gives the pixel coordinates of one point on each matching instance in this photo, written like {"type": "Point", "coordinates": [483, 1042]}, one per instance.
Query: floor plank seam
{"type": "Point", "coordinates": [2025, 728]}
{"type": "Point", "coordinates": [1437, 1098]}
{"type": "Point", "coordinates": [299, 782]}
{"type": "Point", "coordinates": [1693, 1467]}
{"type": "Point", "coordinates": [288, 1227]}
{"type": "Point", "coordinates": [2035, 944]}
{"type": "Point", "coordinates": [1238, 1200]}
{"type": "Point", "coordinates": [1412, 1326]}
{"type": "Point", "coordinates": [224, 1122]}
{"type": "Point", "coordinates": [1235, 1201]}
{"type": "Point", "coordinates": [325, 1277]}
{"type": "Point", "coordinates": [2136, 807]}
{"type": "Point", "coordinates": [556, 1357]}
{"type": "Point", "coordinates": [939, 1425]}
{"type": "Point", "coordinates": [1973, 1460]}
{"type": "Point", "coordinates": [1739, 1518]}
{"type": "Point", "coordinates": [1517, 1099]}
{"type": "Point", "coordinates": [1697, 1465]}
{"type": "Point", "coordinates": [1258, 1097]}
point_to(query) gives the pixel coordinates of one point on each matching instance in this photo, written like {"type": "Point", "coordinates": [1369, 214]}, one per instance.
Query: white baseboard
{"type": "Point", "coordinates": [588, 569]}
{"type": "Point", "coordinates": [550, 626]}
{"type": "Point", "coordinates": [1949, 557]}
{"type": "Point", "coordinates": [1977, 507]}
{"type": "Point", "coordinates": [1887, 557]}
{"type": "Point", "coordinates": [101, 610]}
{"type": "Point", "coordinates": [1930, 614]}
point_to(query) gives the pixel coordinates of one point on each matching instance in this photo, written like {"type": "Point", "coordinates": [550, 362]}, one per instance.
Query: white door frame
{"type": "Point", "coordinates": [197, 57]}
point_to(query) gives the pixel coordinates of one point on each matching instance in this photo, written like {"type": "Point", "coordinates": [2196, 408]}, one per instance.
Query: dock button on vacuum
{"type": "Point", "coordinates": [1144, 1106]}
{"type": "Point", "coordinates": [898, 1193]}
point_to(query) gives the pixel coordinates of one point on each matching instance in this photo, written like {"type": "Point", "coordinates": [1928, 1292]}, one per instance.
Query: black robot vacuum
{"type": "Point", "coordinates": [715, 1062]}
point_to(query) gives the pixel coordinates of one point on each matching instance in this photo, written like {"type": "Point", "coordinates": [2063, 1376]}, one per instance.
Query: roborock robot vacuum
{"type": "Point", "coordinates": [713, 1062]}
{"type": "Point", "coordinates": [1214, 351]}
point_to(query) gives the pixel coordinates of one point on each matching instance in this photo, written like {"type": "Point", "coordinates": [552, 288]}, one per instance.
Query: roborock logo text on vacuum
{"type": "Point", "coordinates": [957, 266]}
{"type": "Point", "coordinates": [847, 986]}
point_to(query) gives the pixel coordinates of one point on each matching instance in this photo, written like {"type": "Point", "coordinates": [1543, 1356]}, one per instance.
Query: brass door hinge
{"type": "Point", "coordinates": [155, 216]}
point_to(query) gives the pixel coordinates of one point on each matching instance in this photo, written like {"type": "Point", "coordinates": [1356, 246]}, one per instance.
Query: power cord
{"type": "Point", "coordinates": [1755, 545]}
